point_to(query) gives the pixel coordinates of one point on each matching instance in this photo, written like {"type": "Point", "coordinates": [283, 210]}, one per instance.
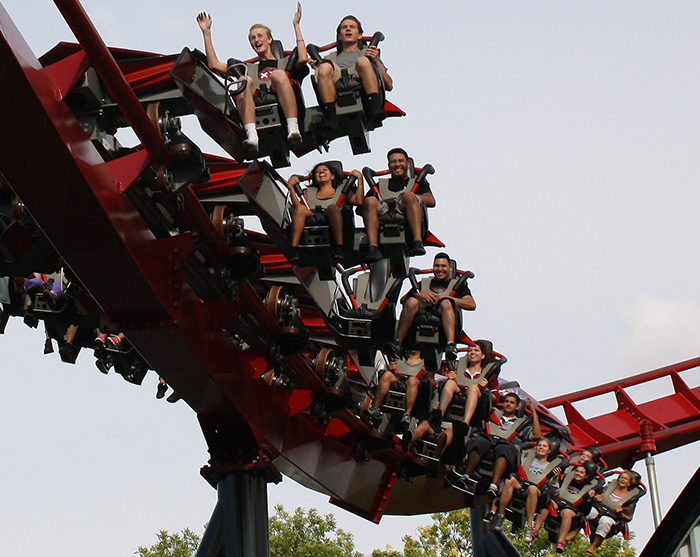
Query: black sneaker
{"type": "Point", "coordinates": [497, 523]}
{"type": "Point", "coordinates": [173, 397]}
{"type": "Point", "coordinates": [451, 351]}
{"type": "Point", "coordinates": [48, 346]}
{"type": "Point", "coordinates": [492, 493]}
{"type": "Point", "coordinates": [417, 248]}
{"type": "Point", "coordinates": [394, 349]}
{"type": "Point", "coordinates": [160, 391]}
{"type": "Point", "coordinates": [436, 419]}
{"type": "Point", "coordinates": [406, 441]}
{"type": "Point", "coordinates": [488, 517]}
{"type": "Point", "coordinates": [102, 366]}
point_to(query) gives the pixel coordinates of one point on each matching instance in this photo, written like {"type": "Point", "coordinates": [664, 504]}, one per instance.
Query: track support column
{"type": "Point", "coordinates": [239, 524]}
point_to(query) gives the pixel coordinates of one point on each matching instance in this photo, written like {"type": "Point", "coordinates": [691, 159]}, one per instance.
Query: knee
{"type": "Point", "coordinates": [279, 77]}
{"type": "Point", "coordinates": [325, 71]}
{"type": "Point", "coordinates": [412, 382]}
{"type": "Point", "coordinates": [370, 204]}
{"type": "Point", "coordinates": [363, 64]}
{"type": "Point", "coordinates": [445, 305]}
{"type": "Point", "coordinates": [332, 210]}
{"type": "Point", "coordinates": [412, 304]}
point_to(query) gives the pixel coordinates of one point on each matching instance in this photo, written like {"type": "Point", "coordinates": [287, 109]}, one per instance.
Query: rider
{"type": "Point", "coordinates": [260, 38]}
{"type": "Point", "coordinates": [409, 204]}
{"type": "Point", "coordinates": [617, 501]}
{"type": "Point", "coordinates": [326, 182]}
{"type": "Point", "coordinates": [437, 301]}
{"type": "Point", "coordinates": [358, 61]}
{"type": "Point", "coordinates": [504, 427]}
{"type": "Point", "coordinates": [414, 363]}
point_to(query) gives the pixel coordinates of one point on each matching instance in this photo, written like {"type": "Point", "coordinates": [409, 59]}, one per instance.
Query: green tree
{"type": "Point", "coordinates": [450, 535]}
{"type": "Point", "coordinates": [182, 544]}
{"type": "Point", "coordinates": [308, 534]}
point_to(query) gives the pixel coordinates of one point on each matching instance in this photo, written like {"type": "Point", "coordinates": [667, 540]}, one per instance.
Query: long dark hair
{"type": "Point", "coordinates": [337, 175]}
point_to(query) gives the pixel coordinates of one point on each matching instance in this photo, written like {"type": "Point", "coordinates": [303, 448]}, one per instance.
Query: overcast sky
{"type": "Point", "coordinates": [566, 139]}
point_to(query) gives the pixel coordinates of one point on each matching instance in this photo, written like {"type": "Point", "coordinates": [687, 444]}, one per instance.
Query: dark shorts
{"type": "Point", "coordinates": [504, 449]}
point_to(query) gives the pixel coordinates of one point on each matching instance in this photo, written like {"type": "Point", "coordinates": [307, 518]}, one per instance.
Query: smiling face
{"type": "Point", "coordinates": [475, 355]}
{"type": "Point", "coordinates": [398, 165]}
{"type": "Point", "coordinates": [543, 448]}
{"type": "Point", "coordinates": [579, 473]}
{"type": "Point", "coordinates": [441, 268]}
{"type": "Point", "coordinates": [323, 174]}
{"type": "Point", "coordinates": [260, 40]}
{"type": "Point", "coordinates": [625, 480]}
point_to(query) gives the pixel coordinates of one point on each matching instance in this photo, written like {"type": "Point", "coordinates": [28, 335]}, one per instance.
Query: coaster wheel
{"type": "Point", "coordinates": [323, 359]}
{"type": "Point", "coordinates": [218, 218]}
{"type": "Point", "coordinates": [153, 113]}
{"type": "Point", "coordinates": [274, 300]}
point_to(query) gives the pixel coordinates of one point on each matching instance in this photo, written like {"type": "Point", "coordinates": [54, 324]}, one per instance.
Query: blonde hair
{"type": "Point", "coordinates": [261, 26]}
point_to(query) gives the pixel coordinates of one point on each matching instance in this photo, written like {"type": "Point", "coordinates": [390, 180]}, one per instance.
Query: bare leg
{"type": "Point", "coordinates": [370, 216]}
{"type": "Point", "coordinates": [408, 314]}
{"type": "Point", "coordinates": [245, 103]}
{"type": "Point", "coordinates": [285, 93]}
{"type": "Point", "coordinates": [299, 217]}
{"type": "Point", "coordinates": [473, 394]}
{"type": "Point", "coordinates": [387, 380]}
{"type": "Point", "coordinates": [363, 68]}
{"type": "Point", "coordinates": [531, 504]}
{"type": "Point", "coordinates": [411, 393]}
{"type": "Point", "coordinates": [567, 515]}
{"type": "Point", "coordinates": [595, 544]}
{"type": "Point", "coordinates": [510, 485]}
{"type": "Point", "coordinates": [448, 392]}
{"type": "Point", "coordinates": [447, 313]}
{"type": "Point", "coordinates": [324, 79]}
{"type": "Point", "coordinates": [499, 469]}
{"type": "Point", "coordinates": [414, 214]}
{"type": "Point", "coordinates": [335, 220]}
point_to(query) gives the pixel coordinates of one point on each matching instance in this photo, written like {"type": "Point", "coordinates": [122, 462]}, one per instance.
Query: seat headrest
{"type": "Point", "coordinates": [277, 49]}
{"type": "Point", "coordinates": [378, 276]}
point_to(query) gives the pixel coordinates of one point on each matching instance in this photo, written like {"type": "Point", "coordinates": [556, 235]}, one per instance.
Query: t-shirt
{"type": "Point", "coordinates": [346, 59]}
{"type": "Point", "coordinates": [537, 467]}
{"type": "Point", "coordinates": [440, 287]}
{"type": "Point", "coordinates": [399, 184]}
{"type": "Point", "coordinates": [266, 67]}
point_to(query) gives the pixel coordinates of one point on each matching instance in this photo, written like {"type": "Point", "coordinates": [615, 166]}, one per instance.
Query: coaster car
{"type": "Point", "coordinates": [426, 331]}
{"type": "Point", "coordinates": [395, 234]}
{"type": "Point", "coordinates": [352, 117]}
{"type": "Point", "coordinates": [565, 498]}
{"type": "Point", "coordinates": [366, 318]}
{"type": "Point", "coordinates": [516, 510]}
{"type": "Point", "coordinates": [608, 507]}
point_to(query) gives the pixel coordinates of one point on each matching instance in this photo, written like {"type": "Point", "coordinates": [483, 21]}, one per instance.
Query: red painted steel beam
{"type": "Point", "coordinates": [621, 383]}
{"type": "Point", "coordinates": [114, 79]}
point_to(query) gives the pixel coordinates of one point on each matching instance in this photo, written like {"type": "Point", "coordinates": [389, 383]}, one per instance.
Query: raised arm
{"type": "Point", "coordinates": [204, 20]}
{"type": "Point", "coordinates": [302, 54]}
{"type": "Point", "coordinates": [536, 428]}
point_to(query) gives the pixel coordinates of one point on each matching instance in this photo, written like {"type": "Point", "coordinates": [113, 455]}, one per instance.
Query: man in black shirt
{"type": "Point", "coordinates": [438, 299]}
{"type": "Point", "coordinates": [410, 204]}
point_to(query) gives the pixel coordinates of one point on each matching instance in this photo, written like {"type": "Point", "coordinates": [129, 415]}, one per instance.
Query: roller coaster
{"type": "Point", "coordinates": [277, 359]}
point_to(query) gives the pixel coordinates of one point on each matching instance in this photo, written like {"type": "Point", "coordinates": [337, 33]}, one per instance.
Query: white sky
{"type": "Point", "coordinates": [565, 137]}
